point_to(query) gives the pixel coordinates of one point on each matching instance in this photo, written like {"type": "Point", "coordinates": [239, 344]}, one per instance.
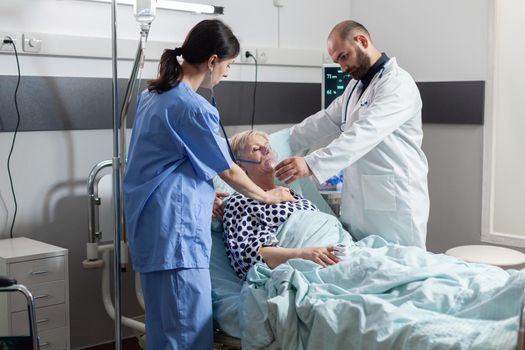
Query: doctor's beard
{"type": "Point", "coordinates": [363, 65]}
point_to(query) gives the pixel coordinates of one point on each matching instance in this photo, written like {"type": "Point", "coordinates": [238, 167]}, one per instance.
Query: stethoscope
{"type": "Point", "coordinates": [214, 104]}
{"type": "Point", "coordinates": [343, 123]}
{"type": "Point", "coordinates": [235, 160]}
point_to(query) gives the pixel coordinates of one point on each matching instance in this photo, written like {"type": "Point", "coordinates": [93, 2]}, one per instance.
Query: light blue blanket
{"type": "Point", "coordinates": [380, 296]}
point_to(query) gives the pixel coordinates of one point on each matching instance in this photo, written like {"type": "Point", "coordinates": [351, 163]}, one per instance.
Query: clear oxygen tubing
{"type": "Point", "coordinates": [116, 183]}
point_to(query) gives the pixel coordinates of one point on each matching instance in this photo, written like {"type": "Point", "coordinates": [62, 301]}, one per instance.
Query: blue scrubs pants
{"type": "Point", "coordinates": [178, 309]}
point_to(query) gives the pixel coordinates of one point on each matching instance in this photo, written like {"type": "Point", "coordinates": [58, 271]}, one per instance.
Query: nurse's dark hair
{"type": "Point", "coordinates": [349, 29]}
{"type": "Point", "coordinates": [205, 39]}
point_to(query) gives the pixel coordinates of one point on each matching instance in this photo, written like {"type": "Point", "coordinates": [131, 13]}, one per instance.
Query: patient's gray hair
{"type": "Point", "coordinates": [239, 141]}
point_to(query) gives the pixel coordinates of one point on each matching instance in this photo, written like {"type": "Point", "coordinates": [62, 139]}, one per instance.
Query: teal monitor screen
{"type": "Point", "coordinates": [334, 83]}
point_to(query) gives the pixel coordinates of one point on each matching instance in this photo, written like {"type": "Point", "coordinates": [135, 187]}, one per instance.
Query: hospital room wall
{"type": "Point", "coordinates": [50, 167]}
{"type": "Point", "coordinates": [433, 40]}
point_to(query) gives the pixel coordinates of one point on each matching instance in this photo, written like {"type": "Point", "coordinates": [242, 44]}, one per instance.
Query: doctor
{"type": "Point", "coordinates": [374, 132]}
{"type": "Point", "coordinates": [175, 151]}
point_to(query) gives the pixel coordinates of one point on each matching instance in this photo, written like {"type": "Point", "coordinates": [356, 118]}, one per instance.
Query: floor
{"type": "Point", "coordinates": [222, 342]}
{"type": "Point", "coordinates": [127, 344]}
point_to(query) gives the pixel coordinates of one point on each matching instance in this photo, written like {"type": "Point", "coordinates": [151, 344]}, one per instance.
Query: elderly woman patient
{"type": "Point", "coordinates": [250, 225]}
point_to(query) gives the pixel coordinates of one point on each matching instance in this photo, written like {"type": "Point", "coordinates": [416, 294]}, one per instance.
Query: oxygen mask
{"type": "Point", "coordinates": [268, 160]}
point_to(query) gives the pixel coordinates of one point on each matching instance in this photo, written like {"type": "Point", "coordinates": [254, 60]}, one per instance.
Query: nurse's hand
{"type": "Point", "coordinates": [278, 195]}
{"type": "Point", "coordinates": [292, 169]}
{"type": "Point", "coordinates": [218, 209]}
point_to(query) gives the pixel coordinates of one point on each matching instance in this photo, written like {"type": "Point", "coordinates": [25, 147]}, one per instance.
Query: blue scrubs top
{"type": "Point", "coordinates": [174, 153]}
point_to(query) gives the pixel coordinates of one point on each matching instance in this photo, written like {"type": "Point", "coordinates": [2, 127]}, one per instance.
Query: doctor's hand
{"type": "Point", "coordinates": [323, 256]}
{"type": "Point", "coordinates": [278, 195]}
{"type": "Point", "coordinates": [218, 209]}
{"type": "Point", "coordinates": [292, 169]}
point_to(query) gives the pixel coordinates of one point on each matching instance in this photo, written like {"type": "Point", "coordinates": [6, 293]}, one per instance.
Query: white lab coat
{"type": "Point", "coordinates": [385, 189]}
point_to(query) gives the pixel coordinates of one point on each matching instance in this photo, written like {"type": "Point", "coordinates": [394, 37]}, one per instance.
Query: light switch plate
{"type": "Point", "coordinates": [31, 42]}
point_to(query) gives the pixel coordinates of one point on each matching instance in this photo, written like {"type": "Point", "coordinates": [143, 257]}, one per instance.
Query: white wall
{"type": "Point", "coordinates": [253, 21]}
{"type": "Point", "coordinates": [508, 121]}
{"type": "Point", "coordinates": [50, 168]}
{"type": "Point", "coordinates": [434, 40]}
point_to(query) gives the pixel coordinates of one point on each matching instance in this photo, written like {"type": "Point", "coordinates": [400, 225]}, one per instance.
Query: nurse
{"type": "Point", "coordinates": [374, 132]}
{"type": "Point", "coordinates": [175, 151]}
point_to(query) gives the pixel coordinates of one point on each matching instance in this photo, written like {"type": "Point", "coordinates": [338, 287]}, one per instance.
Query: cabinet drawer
{"type": "Point", "coordinates": [48, 317]}
{"type": "Point", "coordinates": [45, 294]}
{"type": "Point", "coordinates": [38, 271]}
{"type": "Point", "coordinates": [53, 339]}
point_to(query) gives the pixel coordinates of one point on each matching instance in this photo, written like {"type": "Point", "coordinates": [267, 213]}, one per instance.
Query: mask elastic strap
{"type": "Point", "coordinates": [248, 161]}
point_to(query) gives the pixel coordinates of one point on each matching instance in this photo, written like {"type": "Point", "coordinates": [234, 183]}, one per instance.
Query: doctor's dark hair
{"type": "Point", "coordinates": [348, 29]}
{"type": "Point", "coordinates": [205, 39]}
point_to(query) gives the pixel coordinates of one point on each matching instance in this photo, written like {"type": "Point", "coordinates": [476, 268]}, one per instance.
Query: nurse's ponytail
{"type": "Point", "coordinates": [170, 71]}
{"type": "Point", "coordinates": [207, 38]}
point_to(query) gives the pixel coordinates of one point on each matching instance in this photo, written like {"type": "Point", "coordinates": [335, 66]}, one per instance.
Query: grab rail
{"type": "Point", "coordinates": [94, 201]}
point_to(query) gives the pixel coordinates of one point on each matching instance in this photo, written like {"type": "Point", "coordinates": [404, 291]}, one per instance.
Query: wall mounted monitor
{"type": "Point", "coordinates": [334, 82]}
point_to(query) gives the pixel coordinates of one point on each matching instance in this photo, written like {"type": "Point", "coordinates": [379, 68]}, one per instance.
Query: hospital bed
{"type": "Point", "coordinates": [226, 285]}
{"type": "Point", "coordinates": [228, 288]}
{"type": "Point", "coordinates": [227, 291]}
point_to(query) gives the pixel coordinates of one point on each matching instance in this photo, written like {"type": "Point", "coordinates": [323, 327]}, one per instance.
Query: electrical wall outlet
{"type": "Point", "coordinates": [8, 47]}
{"type": "Point", "coordinates": [242, 54]}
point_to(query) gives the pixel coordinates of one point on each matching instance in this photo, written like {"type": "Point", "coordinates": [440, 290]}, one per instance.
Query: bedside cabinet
{"type": "Point", "coordinates": [43, 269]}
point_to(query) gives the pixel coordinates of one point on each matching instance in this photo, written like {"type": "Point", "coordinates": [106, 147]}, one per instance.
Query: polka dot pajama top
{"type": "Point", "coordinates": [250, 225]}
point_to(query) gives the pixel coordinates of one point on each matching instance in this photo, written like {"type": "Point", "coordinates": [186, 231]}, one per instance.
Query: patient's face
{"type": "Point", "coordinates": [256, 150]}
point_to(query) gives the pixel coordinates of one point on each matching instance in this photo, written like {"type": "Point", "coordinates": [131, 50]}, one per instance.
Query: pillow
{"type": "Point", "coordinates": [280, 142]}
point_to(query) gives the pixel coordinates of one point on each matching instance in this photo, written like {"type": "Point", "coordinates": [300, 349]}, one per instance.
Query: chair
{"type": "Point", "coordinates": [488, 254]}
{"type": "Point", "coordinates": [29, 342]}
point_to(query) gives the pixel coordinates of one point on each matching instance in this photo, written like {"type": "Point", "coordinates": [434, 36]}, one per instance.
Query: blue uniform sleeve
{"type": "Point", "coordinates": [207, 151]}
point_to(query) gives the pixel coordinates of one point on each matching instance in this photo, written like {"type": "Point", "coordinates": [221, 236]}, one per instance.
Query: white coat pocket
{"type": "Point", "coordinates": [379, 192]}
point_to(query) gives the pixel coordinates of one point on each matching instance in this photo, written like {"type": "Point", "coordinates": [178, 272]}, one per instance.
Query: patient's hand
{"type": "Point", "coordinates": [323, 256]}
{"type": "Point", "coordinates": [218, 209]}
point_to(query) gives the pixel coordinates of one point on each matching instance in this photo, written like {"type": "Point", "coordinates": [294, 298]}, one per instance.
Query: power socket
{"type": "Point", "coordinates": [5, 46]}
{"type": "Point", "coordinates": [243, 57]}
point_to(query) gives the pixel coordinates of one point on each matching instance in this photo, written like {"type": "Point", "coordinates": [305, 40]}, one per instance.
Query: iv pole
{"type": "Point", "coordinates": [119, 156]}
{"type": "Point", "coordinates": [116, 183]}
